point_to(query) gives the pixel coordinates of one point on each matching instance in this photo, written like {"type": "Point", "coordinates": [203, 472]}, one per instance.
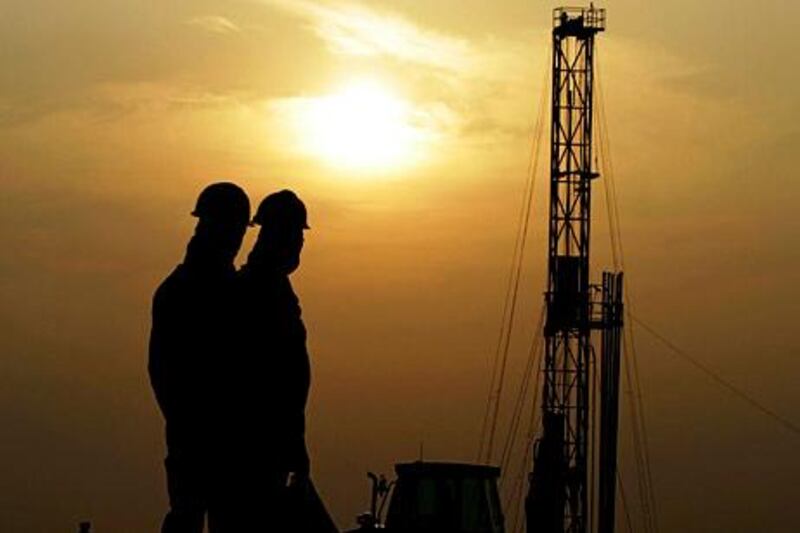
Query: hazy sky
{"type": "Point", "coordinates": [115, 114]}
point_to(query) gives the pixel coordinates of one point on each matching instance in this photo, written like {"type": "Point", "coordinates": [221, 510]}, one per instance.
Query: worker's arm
{"type": "Point", "coordinates": [164, 348]}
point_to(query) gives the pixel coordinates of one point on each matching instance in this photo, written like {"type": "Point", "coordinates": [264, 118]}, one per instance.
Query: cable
{"type": "Point", "coordinates": [637, 446]}
{"type": "Point", "coordinates": [501, 354]}
{"type": "Point", "coordinates": [503, 324]}
{"type": "Point", "coordinates": [639, 397]}
{"type": "Point", "coordinates": [516, 417]}
{"type": "Point", "coordinates": [533, 423]}
{"type": "Point", "coordinates": [624, 502]}
{"type": "Point", "coordinates": [641, 440]}
{"type": "Point", "coordinates": [730, 387]}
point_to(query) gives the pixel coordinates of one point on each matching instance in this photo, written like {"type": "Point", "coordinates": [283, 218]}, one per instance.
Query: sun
{"type": "Point", "coordinates": [363, 125]}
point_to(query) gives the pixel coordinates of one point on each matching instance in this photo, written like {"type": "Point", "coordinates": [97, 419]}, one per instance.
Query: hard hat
{"type": "Point", "coordinates": [282, 207]}
{"type": "Point", "coordinates": [223, 201]}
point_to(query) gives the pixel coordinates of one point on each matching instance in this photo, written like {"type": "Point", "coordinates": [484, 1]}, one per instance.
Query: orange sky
{"type": "Point", "coordinates": [113, 115]}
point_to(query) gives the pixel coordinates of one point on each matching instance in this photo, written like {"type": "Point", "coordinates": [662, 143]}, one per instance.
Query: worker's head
{"type": "Point", "coordinates": [223, 213]}
{"type": "Point", "coordinates": [283, 218]}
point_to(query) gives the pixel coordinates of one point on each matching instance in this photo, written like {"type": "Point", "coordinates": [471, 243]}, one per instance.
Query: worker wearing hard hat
{"type": "Point", "coordinates": [277, 365]}
{"type": "Point", "coordinates": [275, 333]}
{"type": "Point", "coordinates": [190, 344]}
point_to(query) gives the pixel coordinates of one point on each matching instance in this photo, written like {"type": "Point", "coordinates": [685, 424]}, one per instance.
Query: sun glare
{"type": "Point", "coordinates": [363, 126]}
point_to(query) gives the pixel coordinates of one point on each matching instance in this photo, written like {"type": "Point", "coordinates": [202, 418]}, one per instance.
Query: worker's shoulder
{"type": "Point", "coordinates": [266, 293]}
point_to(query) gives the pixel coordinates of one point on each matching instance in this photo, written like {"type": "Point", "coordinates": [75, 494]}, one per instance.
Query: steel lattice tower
{"type": "Point", "coordinates": [561, 493]}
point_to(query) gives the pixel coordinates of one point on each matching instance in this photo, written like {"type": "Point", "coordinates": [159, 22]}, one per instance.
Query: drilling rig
{"type": "Point", "coordinates": [563, 491]}
{"type": "Point", "coordinates": [572, 486]}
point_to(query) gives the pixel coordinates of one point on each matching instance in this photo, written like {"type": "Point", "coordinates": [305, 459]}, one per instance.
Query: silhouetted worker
{"type": "Point", "coordinates": [277, 359]}
{"type": "Point", "coordinates": [190, 345]}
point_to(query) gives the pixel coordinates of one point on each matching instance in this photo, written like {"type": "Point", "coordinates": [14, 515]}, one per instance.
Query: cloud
{"type": "Point", "coordinates": [461, 88]}
{"type": "Point", "coordinates": [351, 29]}
{"type": "Point", "coordinates": [214, 24]}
